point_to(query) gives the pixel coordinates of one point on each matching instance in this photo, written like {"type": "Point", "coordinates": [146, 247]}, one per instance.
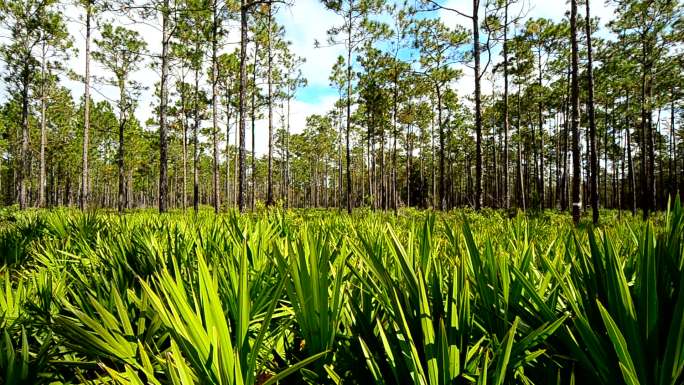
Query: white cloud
{"type": "Point", "coordinates": [305, 22]}
{"type": "Point", "coordinates": [299, 111]}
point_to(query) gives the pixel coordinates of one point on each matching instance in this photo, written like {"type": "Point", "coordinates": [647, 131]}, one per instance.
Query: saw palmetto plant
{"type": "Point", "coordinates": [315, 297]}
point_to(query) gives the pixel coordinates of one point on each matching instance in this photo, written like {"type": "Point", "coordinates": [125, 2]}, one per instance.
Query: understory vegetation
{"type": "Point", "coordinates": [314, 297]}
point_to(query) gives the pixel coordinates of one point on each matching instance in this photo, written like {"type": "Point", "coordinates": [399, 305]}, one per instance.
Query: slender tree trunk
{"type": "Point", "coordinates": [442, 185]}
{"type": "Point", "coordinates": [541, 134]}
{"type": "Point", "coordinates": [478, 108]}
{"type": "Point", "coordinates": [228, 118]}
{"type": "Point", "coordinates": [241, 108]}
{"type": "Point", "coordinates": [287, 156]}
{"type": "Point", "coordinates": [195, 145]}
{"type": "Point", "coordinates": [236, 161]}
{"type": "Point", "coordinates": [43, 130]}
{"type": "Point", "coordinates": [630, 163]}
{"type": "Point", "coordinates": [507, 195]}
{"type": "Point", "coordinates": [269, 193]}
{"type": "Point", "coordinates": [122, 201]}
{"type": "Point", "coordinates": [409, 152]}
{"type": "Point", "coordinates": [620, 185]}
{"type": "Point", "coordinates": [587, 168]}
{"type": "Point", "coordinates": [339, 156]}
{"type": "Point", "coordinates": [85, 180]}
{"type": "Point", "coordinates": [23, 169]}
{"type": "Point", "coordinates": [673, 145]}
{"type": "Point", "coordinates": [566, 133]}
{"type": "Point", "coordinates": [593, 160]}
{"type": "Point", "coordinates": [576, 205]}
{"type": "Point", "coordinates": [432, 164]}
{"type": "Point", "coordinates": [393, 192]}
{"type": "Point", "coordinates": [382, 194]}
{"type": "Point", "coordinates": [646, 169]}
{"type": "Point", "coordinates": [651, 151]}
{"type": "Point", "coordinates": [605, 155]}
{"type": "Point", "coordinates": [520, 176]}
{"type": "Point", "coordinates": [253, 118]}
{"type": "Point", "coordinates": [163, 144]}
{"type": "Point", "coordinates": [348, 122]}
{"type": "Point", "coordinates": [185, 157]}
{"type": "Point", "coordinates": [216, 197]}
{"type": "Point", "coordinates": [371, 165]}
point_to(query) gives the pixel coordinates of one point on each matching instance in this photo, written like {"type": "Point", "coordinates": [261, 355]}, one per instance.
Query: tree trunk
{"type": "Point", "coordinates": [85, 180]}
{"type": "Point", "coordinates": [253, 118]}
{"type": "Point", "coordinates": [442, 186]}
{"type": "Point", "coordinates": [348, 122]}
{"type": "Point", "coordinates": [541, 134]}
{"type": "Point", "coordinates": [43, 130]}
{"type": "Point", "coordinates": [122, 201]}
{"type": "Point", "coordinates": [673, 146]}
{"type": "Point", "coordinates": [520, 177]}
{"type": "Point", "coordinates": [478, 108]}
{"type": "Point", "coordinates": [216, 197]}
{"type": "Point", "coordinates": [646, 168]}
{"type": "Point", "coordinates": [23, 169]}
{"type": "Point", "coordinates": [185, 157]}
{"type": "Point", "coordinates": [163, 101]}
{"type": "Point", "coordinates": [630, 163]}
{"type": "Point", "coordinates": [574, 99]}
{"type": "Point", "coordinates": [195, 144]}
{"type": "Point", "coordinates": [241, 108]}
{"type": "Point", "coordinates": [593, 160]}
{"type": "Point", "coordinates": [339, 155]}
{"type": "Point", "coordinates": [409, 151]}
{"type": "Point", "coordinates": [228, 117]}
{"type": "Point", "coordinates": [269, 193]}
{"type": "Point", "coordinates": [566, 125]}
{"type": "Point", "coordinates": [287, 157]}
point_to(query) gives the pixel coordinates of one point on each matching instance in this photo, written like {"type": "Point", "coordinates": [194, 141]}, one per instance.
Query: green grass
{"type": "Point", "coordinates": [315, 297]}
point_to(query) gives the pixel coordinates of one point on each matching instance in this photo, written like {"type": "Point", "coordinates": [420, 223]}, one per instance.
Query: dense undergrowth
{"type": "Point", "coordinates": [315, 297]}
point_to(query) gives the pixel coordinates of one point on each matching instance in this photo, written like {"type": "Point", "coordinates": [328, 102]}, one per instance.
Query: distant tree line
{"type": "Point", "coordinates": [572, 118]}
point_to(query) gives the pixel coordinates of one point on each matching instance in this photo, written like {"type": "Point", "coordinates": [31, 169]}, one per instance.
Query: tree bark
{"type": "Point", "coordinates": [541, 132]}
{"type": "Point", "coordinates": [269, 192]}
{"type": "Point", "coordinates": [673, 146]}
{"type": "Point", "coordinates": [630, 163]}
{"type": "Point", "coordinates": [228, 118]}
{"type": "Point", "coordinates": [214, 106]}
{"type": "Point", "coordinates": [442, 186]}
{"type": "Point", "coordinates": [593, 160]}
{"type": "Point", "coordinates": [339, 156]}
{"type": "Point", "coordinates": [478, 107]}
{"type": "Point", "coordinates": [241, 107]}
{"type": "Point", "coordinates": [253, 118]}
{"type": "Point", "coordinates": [85, 180]}
{"type": "Point", "coordinates": [574, 99]}
{"type": "Point", "coordinates": [23, 169]}
{"type": "Point", "coordinates": [122, 201]}
{"type": "Point", "coordinates": [163, 96]}
{"type": "Point", "coordinates": [348, 122]}
{"type": "Point", "coordinates": [43, 130]}
{"type": "Point", "coordinates": [195, 144]}
{"type": "Point", "coordinates": [507, 195]}
{"type": "Point", "coordinates": [519, 168]}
